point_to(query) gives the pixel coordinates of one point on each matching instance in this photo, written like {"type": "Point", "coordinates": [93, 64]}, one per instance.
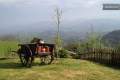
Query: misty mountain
{"type": "Point", "coordinates": [79, 29]}
{"type": "Point", "coordinates": [71, 30]}
{"type": "Point", "coordinates": [98, 25]}
{"type": "Point", "coordinates": [113, 38]}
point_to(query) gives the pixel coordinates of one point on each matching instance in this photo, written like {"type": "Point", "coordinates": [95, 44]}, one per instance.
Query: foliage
{"type": "Point", "coordinates": [118, 47]}
{"type": "Point", "coordinates": [58, 42]}
{"type": "Point", "coordinates": [63, 53]}
{"type": "Point", "coordinates": [93, 40]}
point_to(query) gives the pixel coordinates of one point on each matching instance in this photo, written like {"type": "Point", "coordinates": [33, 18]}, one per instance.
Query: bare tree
{"type": "Point", "coordinates": [58, 40]}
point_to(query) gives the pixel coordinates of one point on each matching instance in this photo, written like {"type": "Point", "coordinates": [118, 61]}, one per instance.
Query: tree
{"type": "Point", "coordinates": [58, 39]}
{"type": "Point", "coordinates": [94, 40]}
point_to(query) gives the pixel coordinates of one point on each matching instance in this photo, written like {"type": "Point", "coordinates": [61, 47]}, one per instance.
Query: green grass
{"type": "Point", "coordinates": [6, 46]}
{"type": "Point", "coordinates": [62, 69]}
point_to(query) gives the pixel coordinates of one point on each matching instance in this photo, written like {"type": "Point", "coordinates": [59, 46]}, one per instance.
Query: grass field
{"type": "Point", "coordinates": [6, 46]}
{"type": "Point", "coordinates": [62, 69]}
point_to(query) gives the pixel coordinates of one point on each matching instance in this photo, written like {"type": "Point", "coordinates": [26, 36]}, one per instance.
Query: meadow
{"type": "Point", "coordinates": [6, 47]}
{"type": "Point", "coordinates": [61, 69]}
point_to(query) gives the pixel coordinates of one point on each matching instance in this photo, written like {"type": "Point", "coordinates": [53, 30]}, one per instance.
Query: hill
{"type": "Point", "coordinates": [62, 69]}
{"type": "Point", "coordinates": [112, 38]}
{"type": "Point", "coordinates": [70, 30]}
{"type": "Point", "coordinates": [75, 28]}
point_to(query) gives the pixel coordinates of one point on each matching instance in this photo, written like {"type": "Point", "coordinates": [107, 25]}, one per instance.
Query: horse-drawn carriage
{"type": "Point", "coordinates": [27, 53]}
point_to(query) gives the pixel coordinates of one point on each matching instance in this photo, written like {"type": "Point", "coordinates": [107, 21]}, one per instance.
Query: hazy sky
{"type": "Point", "coordinates": [22, 12]}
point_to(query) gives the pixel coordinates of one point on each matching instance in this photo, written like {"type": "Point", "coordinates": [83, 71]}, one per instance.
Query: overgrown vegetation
{"type": "Point", "coordinates": [63, 53]}
{"type": "Point", "coordinates": [93, 40]}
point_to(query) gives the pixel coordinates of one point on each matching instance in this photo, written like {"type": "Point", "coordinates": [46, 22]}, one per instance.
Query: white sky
{"type": "Point", "coordinates": [20, 12]}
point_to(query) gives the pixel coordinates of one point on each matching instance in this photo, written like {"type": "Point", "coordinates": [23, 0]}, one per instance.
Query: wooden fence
{"type": "Point", "coordinates": [106, 56]}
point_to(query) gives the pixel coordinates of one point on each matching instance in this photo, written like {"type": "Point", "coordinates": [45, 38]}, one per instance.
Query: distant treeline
{"type": "Point", "coordinates": [8, 37]}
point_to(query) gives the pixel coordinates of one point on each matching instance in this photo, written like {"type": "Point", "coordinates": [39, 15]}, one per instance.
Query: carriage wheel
{"type": "Point", "coordinates": [47, 59]}
{"type": "Point", "coordinates": [25, 59]}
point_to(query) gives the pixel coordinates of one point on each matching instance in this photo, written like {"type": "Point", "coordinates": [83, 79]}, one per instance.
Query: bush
{"type": "Point", "coordinates": [63, 53]}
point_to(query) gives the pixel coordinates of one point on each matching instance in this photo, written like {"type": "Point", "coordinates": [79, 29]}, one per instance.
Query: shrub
{"type": "Point", "coordinates": [63, 53]}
